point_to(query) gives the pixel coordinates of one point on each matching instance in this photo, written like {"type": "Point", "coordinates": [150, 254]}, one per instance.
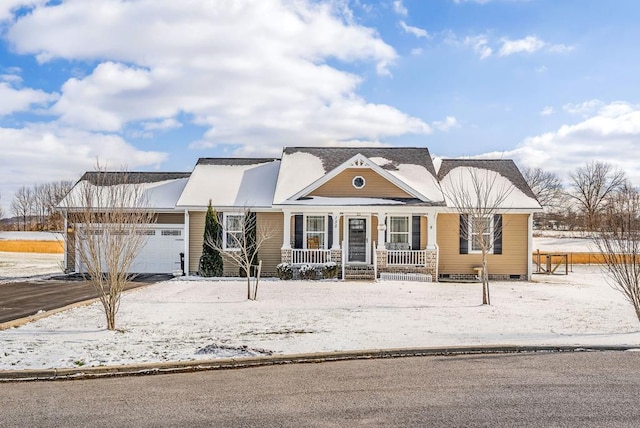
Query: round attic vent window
{"type": "Point", "coordinates": [358, 182]}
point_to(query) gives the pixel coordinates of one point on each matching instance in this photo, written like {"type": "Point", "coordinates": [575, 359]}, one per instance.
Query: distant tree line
{"type": "Point", "coordinates": [585, 203]}
{"type": "Point", "coordinates": [34, 208]}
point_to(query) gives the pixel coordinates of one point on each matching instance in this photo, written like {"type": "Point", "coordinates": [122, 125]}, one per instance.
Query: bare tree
{"type": "Point", "coordinates": [22, 205]}
{"type": "Point", "coordinates": [56, 191]}
{"type": "Point", "coordinates": [479, 195]}
{"type": "Point", "coordinates": [110, 214]}
{"type": "Point", "coordinates": [592, 184]}
{"type": "Point", "coordinates": [547, 186]}
{"type": "Point", "coordinates": [40, 205]}
{"type": "Point", "coordinates": [618, 240]}
{"type": "Point", "coordinates": [1, 209]}
{"type": "Point", "coordinates": [243, 237]}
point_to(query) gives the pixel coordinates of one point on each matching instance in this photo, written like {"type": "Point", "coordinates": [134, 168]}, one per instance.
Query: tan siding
{"type": "Point", "coordinates": [270, 251]}
{"type": "Point", "coordinates": [170, 218]}
{"type": "Point", "coordinates": [513, 259]}
{"type": "Point", "coordinates": [375, 186]}
{"type": "Point", "coordinates": [423, 232]}
{"type": "Point", "coordinates": [374, 231]}
{"type": "Point", "coordinates": [196, 238]}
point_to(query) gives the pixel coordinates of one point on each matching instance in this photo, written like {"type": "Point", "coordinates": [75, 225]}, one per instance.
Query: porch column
{"type": "Point", "coordinates": [529, 246]}
{"type": "Point", "coordinates": [336, 230]}
{"type": "Point", "coordinates": [65, 244]}
{"type": "Point", "coordinates": [286, 234]}
{"type": "Point", "coordinates": [382, 231]}
{"type": "Point", "coordinates": [187, 238]}
{"type": "Point", "coordinates": [432, 228]}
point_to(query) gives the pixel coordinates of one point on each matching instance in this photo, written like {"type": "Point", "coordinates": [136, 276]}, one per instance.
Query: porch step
{"type": "Point", "coordinates": [359, 273]}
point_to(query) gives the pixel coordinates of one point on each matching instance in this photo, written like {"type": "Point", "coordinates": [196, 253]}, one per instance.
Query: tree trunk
{"type": "Point", "coordinates": [486, 300]}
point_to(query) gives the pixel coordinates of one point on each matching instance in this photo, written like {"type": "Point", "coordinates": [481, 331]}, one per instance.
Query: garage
{"type": "Point", "coordinates": [160, 254]}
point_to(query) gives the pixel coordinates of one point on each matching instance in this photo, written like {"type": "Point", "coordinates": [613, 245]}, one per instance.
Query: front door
{"type": "Point", "coordinates": [357, 235]}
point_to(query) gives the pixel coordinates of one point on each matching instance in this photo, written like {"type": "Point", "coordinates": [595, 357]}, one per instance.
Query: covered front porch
{"type": "Point", "coordinates": [363, 242]}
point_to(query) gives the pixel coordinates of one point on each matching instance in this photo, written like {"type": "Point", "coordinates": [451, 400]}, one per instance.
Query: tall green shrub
{"type": "Point", "coordinates": [211, 259]}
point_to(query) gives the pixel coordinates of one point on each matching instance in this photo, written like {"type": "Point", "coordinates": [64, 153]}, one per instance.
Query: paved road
{"type": "Point", "coordinates": [25, 298]}
{"type": "Point", "coordinates": [561, 389]}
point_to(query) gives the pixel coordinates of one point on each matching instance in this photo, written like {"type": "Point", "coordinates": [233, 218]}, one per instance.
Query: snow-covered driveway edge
{"type": "Point", "coordinates": [270, 360]}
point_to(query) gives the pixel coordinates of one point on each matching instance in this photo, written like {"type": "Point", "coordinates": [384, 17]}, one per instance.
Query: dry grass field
{"type": "Point", "coordinates": [24, 246]}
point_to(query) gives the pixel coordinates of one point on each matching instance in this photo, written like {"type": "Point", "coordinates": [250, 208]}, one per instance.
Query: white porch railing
{"type": "Point", "coordinates": [406, 257]}
{"type": "Point", "coordinates": [310, 257]}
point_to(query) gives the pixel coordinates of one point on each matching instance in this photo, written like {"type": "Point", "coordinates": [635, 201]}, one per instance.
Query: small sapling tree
{"type": "Point", "coordinates": [243, 237]}
{"type": "Point", "coordinates": [479, 195]}
{"type": "Point", "coordinates": [110, 214]}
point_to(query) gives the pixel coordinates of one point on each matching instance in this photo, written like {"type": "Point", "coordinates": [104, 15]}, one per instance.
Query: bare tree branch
{"type": "Point", "coordinates": [592, 184]}
{"type": "Point", "coordinates": [547, 186]}
{"type": "Point", "coordinates": [242, 242]}
{"type": "Point", "coordinates": [478, 194]}
{"type": "Point", "coordinates": [618, 240]}
{"type": "Point", "coordinates": [110, 213]}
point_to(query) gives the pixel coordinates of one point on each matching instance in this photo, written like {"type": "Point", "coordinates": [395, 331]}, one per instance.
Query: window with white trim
{"type": "Point", "coordinates": [315, 232]}
{"type": "Point", "coordinates": [480, 230]}
{"type": "Point", "coordinates": [232, 233]}
{"type": "Point", "coordinates": [399, 231]}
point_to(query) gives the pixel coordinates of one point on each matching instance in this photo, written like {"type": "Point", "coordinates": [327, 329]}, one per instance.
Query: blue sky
{"type": "Point", "coordinates": [154, 85]}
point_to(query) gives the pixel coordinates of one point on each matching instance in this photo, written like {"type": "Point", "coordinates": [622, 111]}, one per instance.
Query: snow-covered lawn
{"type": "Point", "coordinates": [174, 319]}
{"type": "Point", "coordinates": [19, 265]}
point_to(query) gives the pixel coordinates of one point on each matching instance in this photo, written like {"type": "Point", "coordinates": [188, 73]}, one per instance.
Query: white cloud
{"type": "Point", "coordinates": [399, 8]}
{"type": "Point", "coordinates": [252, 71]}
{"type": "Point", "coordinates": [584, 108]}
{"type": "Point", "coordinates": [610, 135]}
{"type": "Point", "coordinates": [447, 124]}
{"type": "Point", "coordinates": [547, 111]}
{"type": "Point", "coordinates": [528, 44]}
{"type": "Point", "coordinates": [418, 32]}
{"type": "Point", "coordinates": [417, 51]}
{"type": "Point", "coordinates": [41, 152]}
{"type": "Point", "coordinates": [19, 100]}
{"type": "Point", "coordinates": [480, 45]}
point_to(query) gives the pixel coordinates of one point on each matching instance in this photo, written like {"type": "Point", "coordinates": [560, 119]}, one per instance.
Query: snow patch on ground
{"type": "Point", "coordinates": [14, 266]}
{"type": "Point", "coordinates": [176, 320]}
{"type": "Point", "coordinates": [31, 236]}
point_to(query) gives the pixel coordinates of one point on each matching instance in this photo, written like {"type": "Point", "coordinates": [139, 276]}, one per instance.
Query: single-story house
{"type": "Point", "coordinates": [372, 211]}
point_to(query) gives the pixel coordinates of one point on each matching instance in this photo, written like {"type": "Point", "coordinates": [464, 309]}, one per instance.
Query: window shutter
{"type": "Point", "coordinates": [497, 234]}
{"type": "Point", "coordinates": [298, 231]}
{"type": "Point", "coordinates": [464, 234]}
{"type": "Point", "coordinates": [415, 232]}
{"type": "Point", "coordinates": [330, 232]}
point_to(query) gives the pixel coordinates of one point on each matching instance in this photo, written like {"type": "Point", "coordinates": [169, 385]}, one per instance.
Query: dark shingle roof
{"type": "Point", "coordinates": [234, 161]}
{"type": "Point", "coordinates": [120, 177]}
{"type": "Point", "coordinates": [505, 167]}
{"type": "Point", "coordinates": [333, 157]}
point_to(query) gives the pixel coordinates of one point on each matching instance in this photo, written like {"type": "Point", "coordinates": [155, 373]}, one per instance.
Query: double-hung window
{"type": "Point", "coordinates": [233, 231]}
{"type": "Point", "coordinates": [399, 231]}
{"type": "Point", "coordinates": [315, 232]}
{"type": "Point", "coordinates": [480, 233]}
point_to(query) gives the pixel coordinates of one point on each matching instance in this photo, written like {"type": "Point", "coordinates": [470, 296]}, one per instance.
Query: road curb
{"type": "Point", "coordinates": [246, 362]}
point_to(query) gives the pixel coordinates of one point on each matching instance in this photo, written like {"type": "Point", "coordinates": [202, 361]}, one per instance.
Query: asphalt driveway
{"type": "Point", "coordinates": [24, 298]}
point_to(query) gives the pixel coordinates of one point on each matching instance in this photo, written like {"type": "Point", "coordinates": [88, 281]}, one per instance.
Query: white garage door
{"type": "Point", "coordinates": [161, 253]}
